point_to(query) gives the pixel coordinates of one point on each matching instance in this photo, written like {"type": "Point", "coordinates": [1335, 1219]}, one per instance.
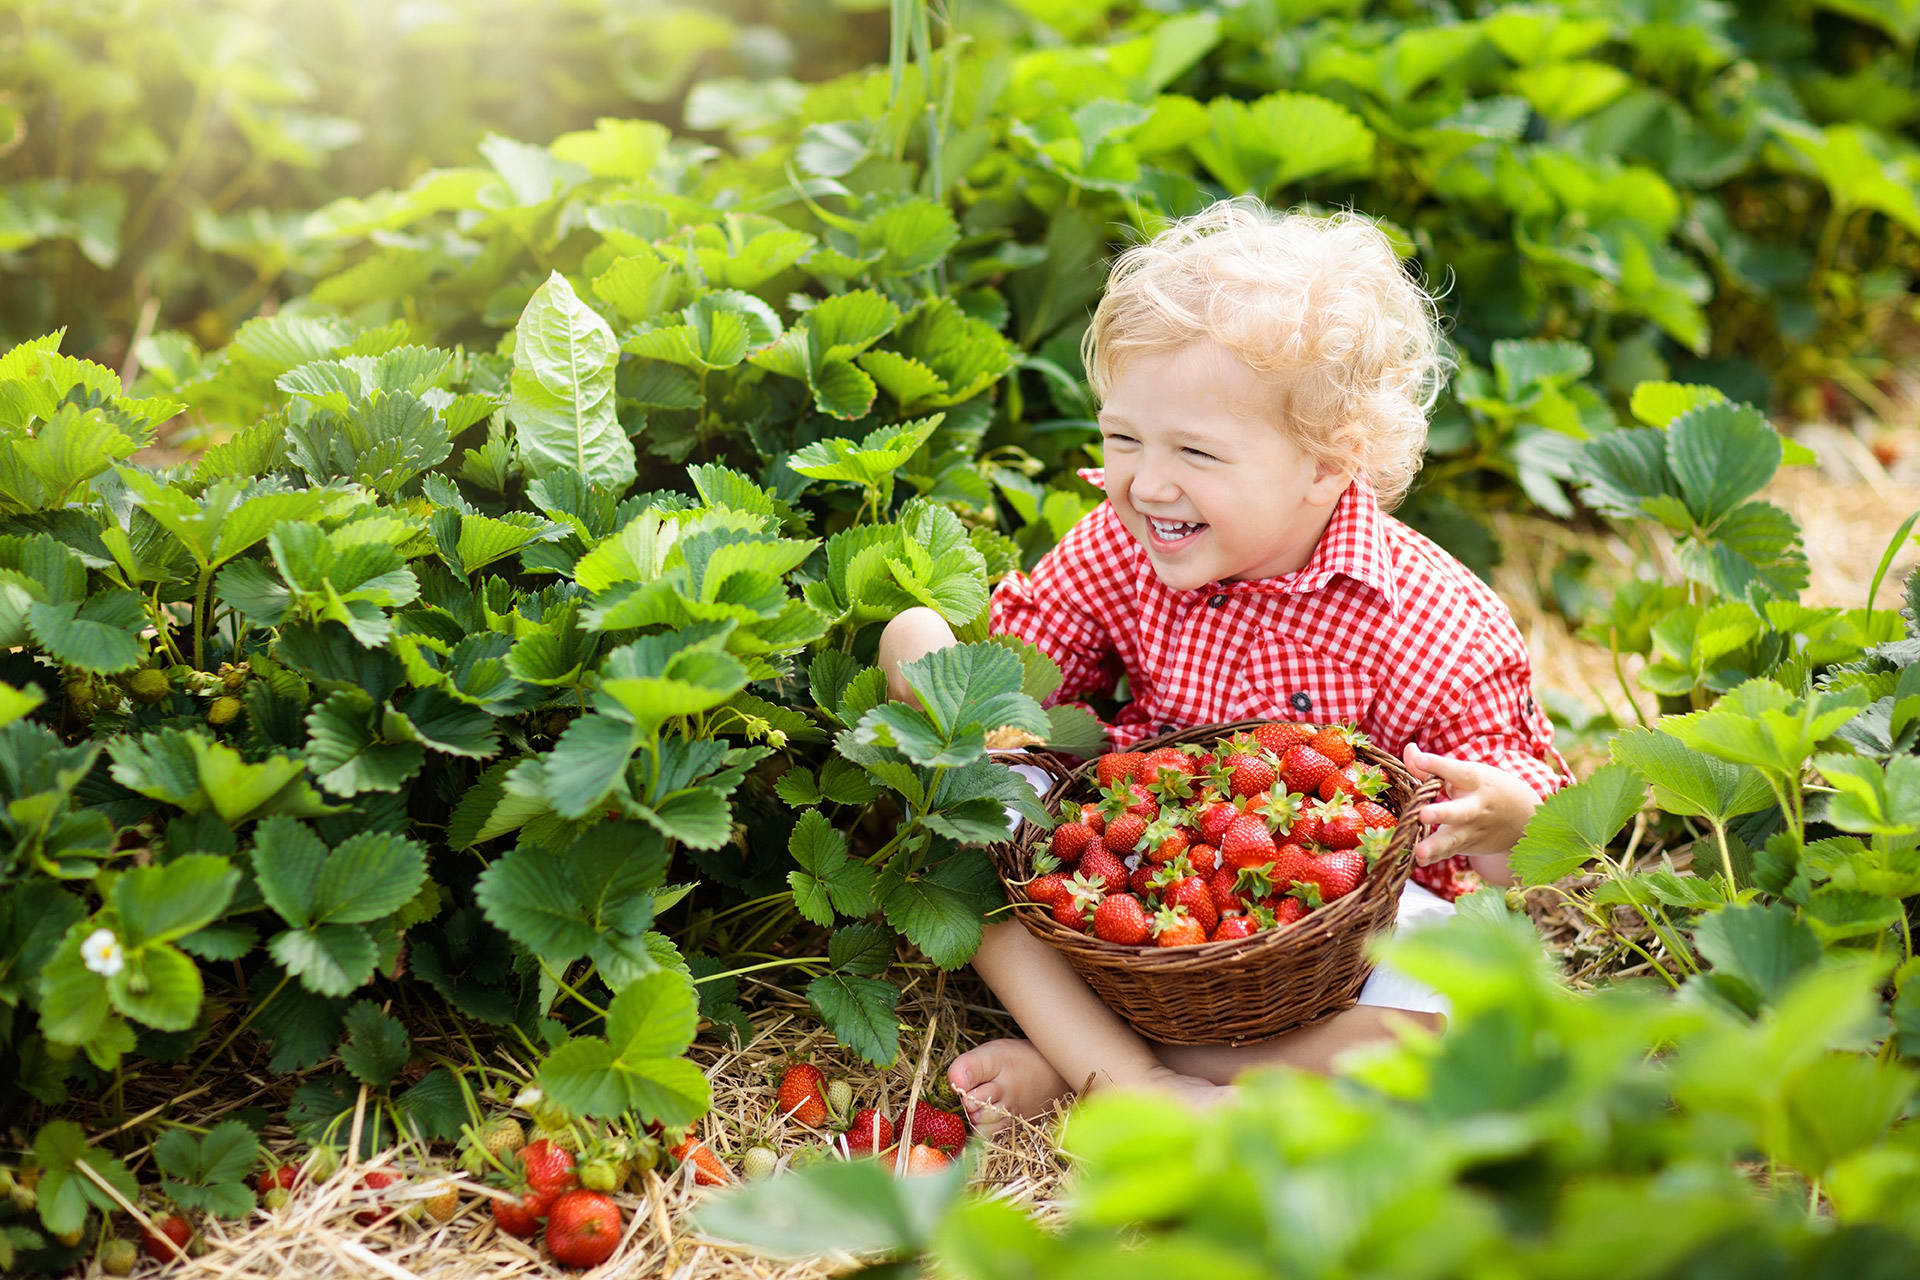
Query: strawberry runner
{"type": "Point", "coordinates": [1380, 628]}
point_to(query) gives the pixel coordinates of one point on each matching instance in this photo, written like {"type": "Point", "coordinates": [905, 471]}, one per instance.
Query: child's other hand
{"type": "Point", "coordinates": [1485, 811]}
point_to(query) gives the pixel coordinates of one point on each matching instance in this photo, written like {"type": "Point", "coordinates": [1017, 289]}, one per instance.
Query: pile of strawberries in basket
{"type": "Point", "coordinates": [1196, 843]}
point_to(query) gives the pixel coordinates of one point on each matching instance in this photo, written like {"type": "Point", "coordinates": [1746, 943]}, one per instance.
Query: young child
{"type": "Point", "coordinates": [1265, 381]}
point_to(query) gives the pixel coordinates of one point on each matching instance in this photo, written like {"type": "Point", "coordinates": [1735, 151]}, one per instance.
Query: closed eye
{"type": "Point", "coordinates": [1201, 454]}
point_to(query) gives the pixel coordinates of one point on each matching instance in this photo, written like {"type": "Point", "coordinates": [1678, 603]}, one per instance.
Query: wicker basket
{"type": "Point", "coordinates": [1231, 992]}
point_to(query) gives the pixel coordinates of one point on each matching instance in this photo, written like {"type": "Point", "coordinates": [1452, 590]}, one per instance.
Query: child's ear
{"type": "Point", "coordinates": [1329, 482]}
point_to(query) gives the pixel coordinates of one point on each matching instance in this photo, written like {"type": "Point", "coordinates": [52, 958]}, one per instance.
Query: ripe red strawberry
{"type": "Point", "coordinates": [1277, 736]}
{"type": "Point", "coordinates": [1375, 816]}
{"type": "Point", "coordinates": [1336, 742]}
{"type": "Point", "coordinates": [1102, 864]}
{"type": "Point", "coordinates": [376, 1180]}
{"type": "Point", "coordinates": [1223, 885]}
{"type": "Point", "coordinates": [1215, 819]}
{"type": "Point", "coordinates": [582, 1228]}
{"type": "Point", "coordinates": [1247, 843]}
{"type": "Point", "coordinates": [168, 1241]}
{"type": "Point", "coordinates": [1341, 782]}
{"type": "Point", "coordinates": [1140, 882]}
{"type": "Point", "coordinates": [1147, 772]}
{"type": "Point", "coordinates": [1069, 840]}
{"type": "Point", "coordinates": [1075, 911]}
{"type": "Point", "coordinates": [942, 1130]}
{"type": "Point", "coordinates": [1091, 815]}
{"type": "Point", "coordinates": [1449, 878]}
{"type": "Point", "coordinates": [801, 1094]}
{"type": "Point", "coordinates": [1339, 873]}
{"type": "Point", "coordinates": [1233, 927]}
{"type": "Point", "coordinates": [1120, 918]}
{"type": "Point", "coordinates": [1173, 927]}
{"type": "Point", "coordinates": [870, 1131]}
{"type": "Point", "coordinates": [924, 1159]}
{"type": "Point", "coordinates": [1115, 765]}
{"type": "Point", "coordinates": [1191, 892]}
{"type": "Point", "coordinates": [282, 1176]}
{"type": "Point", "coordinates": [1165, 839]}
{"type": "Point", "coordinates": [549, 1169]}
{"type": "Point", "coordinates": [1289, 860]}
{"type": "Point", "coordinates": [708, 1170]}
{"type": "Point", "coordinates": [518, 1217]}
{"type": "Point", "coordinates": [1303, 767]}
{"type": "Point", "coordinates": [1339, 823]}
{"type": "Point", "coordinates": [1248, 775]}
{"type": "Point", "coordinates": [1124, 833]}
{"type": "Point", "coordinates": [1287, 909]}
{"type": "Point", "coordinates": [1204, 857]}
{"type": "Point", "coordinates": [1047, 889]}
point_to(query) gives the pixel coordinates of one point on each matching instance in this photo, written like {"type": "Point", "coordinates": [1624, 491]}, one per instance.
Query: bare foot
{"type": "Point", "coordinates": [1004, 1078]}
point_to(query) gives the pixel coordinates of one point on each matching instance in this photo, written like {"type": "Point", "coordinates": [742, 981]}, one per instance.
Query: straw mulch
{"type": "Point", "coordinates": [316, 1235]}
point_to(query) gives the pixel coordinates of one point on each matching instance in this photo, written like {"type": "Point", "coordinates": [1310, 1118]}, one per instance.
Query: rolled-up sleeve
{"type": "Point", "coordinates": [1492, 716]}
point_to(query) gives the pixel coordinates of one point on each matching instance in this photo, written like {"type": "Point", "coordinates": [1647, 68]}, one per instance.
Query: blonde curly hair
{"type": "Point", "coordinates": [1319, 306]}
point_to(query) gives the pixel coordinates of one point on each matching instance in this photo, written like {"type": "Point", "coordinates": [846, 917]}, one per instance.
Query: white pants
{"type": "Point", "coordinates": [1384, 986]}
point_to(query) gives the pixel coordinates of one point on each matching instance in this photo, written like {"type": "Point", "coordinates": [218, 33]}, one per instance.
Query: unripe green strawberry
{"type": "Point", "coordinates": [839, 1096]}
{"type": "Point", "coordinates": [73, 1237]}
{"type": "Point", "coordinates": [758, 1162]}
{"type": "Point", "coordinates": [118, 1257]}
{"type": "Point", "coordinates": [323, 1163]}
{"type": "Point", "coordinates": [598, 1175]}
{"type": "Point", "coordinates": [560, 1135]}
{"type": "Point", "coordinates": [148, 686]}
{"type": "Point", "coordinates": [223, 710]}
{"type": "Point", "coordinates": [504, 1137]}
{"type": "Point", "coordinates": [276, 1198]}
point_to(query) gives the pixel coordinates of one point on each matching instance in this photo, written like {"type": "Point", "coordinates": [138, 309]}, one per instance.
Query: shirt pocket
{"type": "Point", "coordinates": [1287, 680]}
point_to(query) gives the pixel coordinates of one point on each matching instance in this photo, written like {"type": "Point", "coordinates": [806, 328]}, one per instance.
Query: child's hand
{"type": "Point", "coordinates": [1484, 814]}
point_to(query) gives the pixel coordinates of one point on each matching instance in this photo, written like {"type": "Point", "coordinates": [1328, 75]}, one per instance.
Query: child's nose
{"type": "Point", "coordinates": [1151, 487]}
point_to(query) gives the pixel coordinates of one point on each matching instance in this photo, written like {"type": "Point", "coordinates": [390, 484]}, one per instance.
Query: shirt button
{"type": "Point", "coordinates": [1217, 601]}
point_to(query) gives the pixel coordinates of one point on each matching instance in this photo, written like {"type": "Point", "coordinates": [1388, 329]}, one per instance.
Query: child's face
{"type": "Point", "coordinates": [1191, 439]}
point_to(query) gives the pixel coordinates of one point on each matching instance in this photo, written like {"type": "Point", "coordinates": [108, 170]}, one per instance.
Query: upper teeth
{"type": "Point", "coordinates": [1171, 528]}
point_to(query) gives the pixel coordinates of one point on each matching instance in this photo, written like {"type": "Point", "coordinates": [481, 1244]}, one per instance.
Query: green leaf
{"type": "Point", "coordinates": [853, 1206]}
{"type": "Point", "coordinates": [943, 911]}
{"type": "Point", "coordinates": [639, 1066]}
{"type": "Point", "coordinates": [376, 1046]}
{"type": "Point", "coordinates": [563, 403]}
{"type": "Point", "coordinates": [1524, 368]}
{"type": "Point", "coordinates": [99, 635]}
{"type": "Point", "coordinates": [1837, 1105]}
{"type": "Point", "coordinates": [1658, 403]}
{"type": "Point", "coordinates": [1575, 824]}
{"type": "Point", "coordinates": [1870, 799]}
{"type": "Point", "coordinates": [1763, 947]}
{"type": "Point", "coordinates": [860, 1013]}
{"type": "Point", "coordinates": [1761, 724]}
{"type": "Point", "coordinates": [347, 755]}
{"type": "Point", "coordinates": [368, 876]}
{"type": "Point", "coordinates": [589, 761]}
{"type": "Point", "coordinates": [1722, 454]}
{"type": "Point", "coordinates": [436, 721]}
{"type": "Point", "coordinates": [159, 985]}
{"type": "Point", "coordinates": [1275, 141]}
{"type": "Point", "coordinates": [330, 959]}
{"type": "Point", "coordinates": [1690, 782]}
{"type": "Point", "coordinates": [166, 901]}
{"type": "Point", "coordinates": [974, 686]}
{"type": "Point", "coordinates": [829, 881]}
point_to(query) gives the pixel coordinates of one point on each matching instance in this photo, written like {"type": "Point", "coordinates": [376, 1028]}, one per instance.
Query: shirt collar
{"type": "Point", "coordinates": [1354, 544]}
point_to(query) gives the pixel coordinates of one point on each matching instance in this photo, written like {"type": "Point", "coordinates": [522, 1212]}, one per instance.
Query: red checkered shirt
{"type": "Point", "coordinates": [1380, 628]}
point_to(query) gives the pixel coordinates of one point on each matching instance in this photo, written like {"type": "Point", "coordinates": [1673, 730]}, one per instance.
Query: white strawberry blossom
{"type": "Point", "coordinates": [102, 954]}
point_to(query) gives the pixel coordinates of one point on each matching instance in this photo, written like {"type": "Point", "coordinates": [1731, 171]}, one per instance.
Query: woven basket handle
{"type": "Point", "coordinates": [1408, 831]}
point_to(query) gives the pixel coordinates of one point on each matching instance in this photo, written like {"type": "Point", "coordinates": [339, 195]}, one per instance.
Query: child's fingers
{"type": "Point", "coordinates": [1444, 811]}
{"type": "Point", "coordinates": [1457, 774]}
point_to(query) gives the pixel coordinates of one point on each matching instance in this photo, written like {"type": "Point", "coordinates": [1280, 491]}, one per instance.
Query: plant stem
{"type": "Point", "coordinates": [200, 618]}
{"type": "Point", "coordinates": [242, 1026]}
{"type": "Point", "coordinates": [770, 964]}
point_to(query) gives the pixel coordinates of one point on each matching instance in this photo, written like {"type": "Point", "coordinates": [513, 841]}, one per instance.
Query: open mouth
{"type": "Point", "coordinates": [1171, 535]}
